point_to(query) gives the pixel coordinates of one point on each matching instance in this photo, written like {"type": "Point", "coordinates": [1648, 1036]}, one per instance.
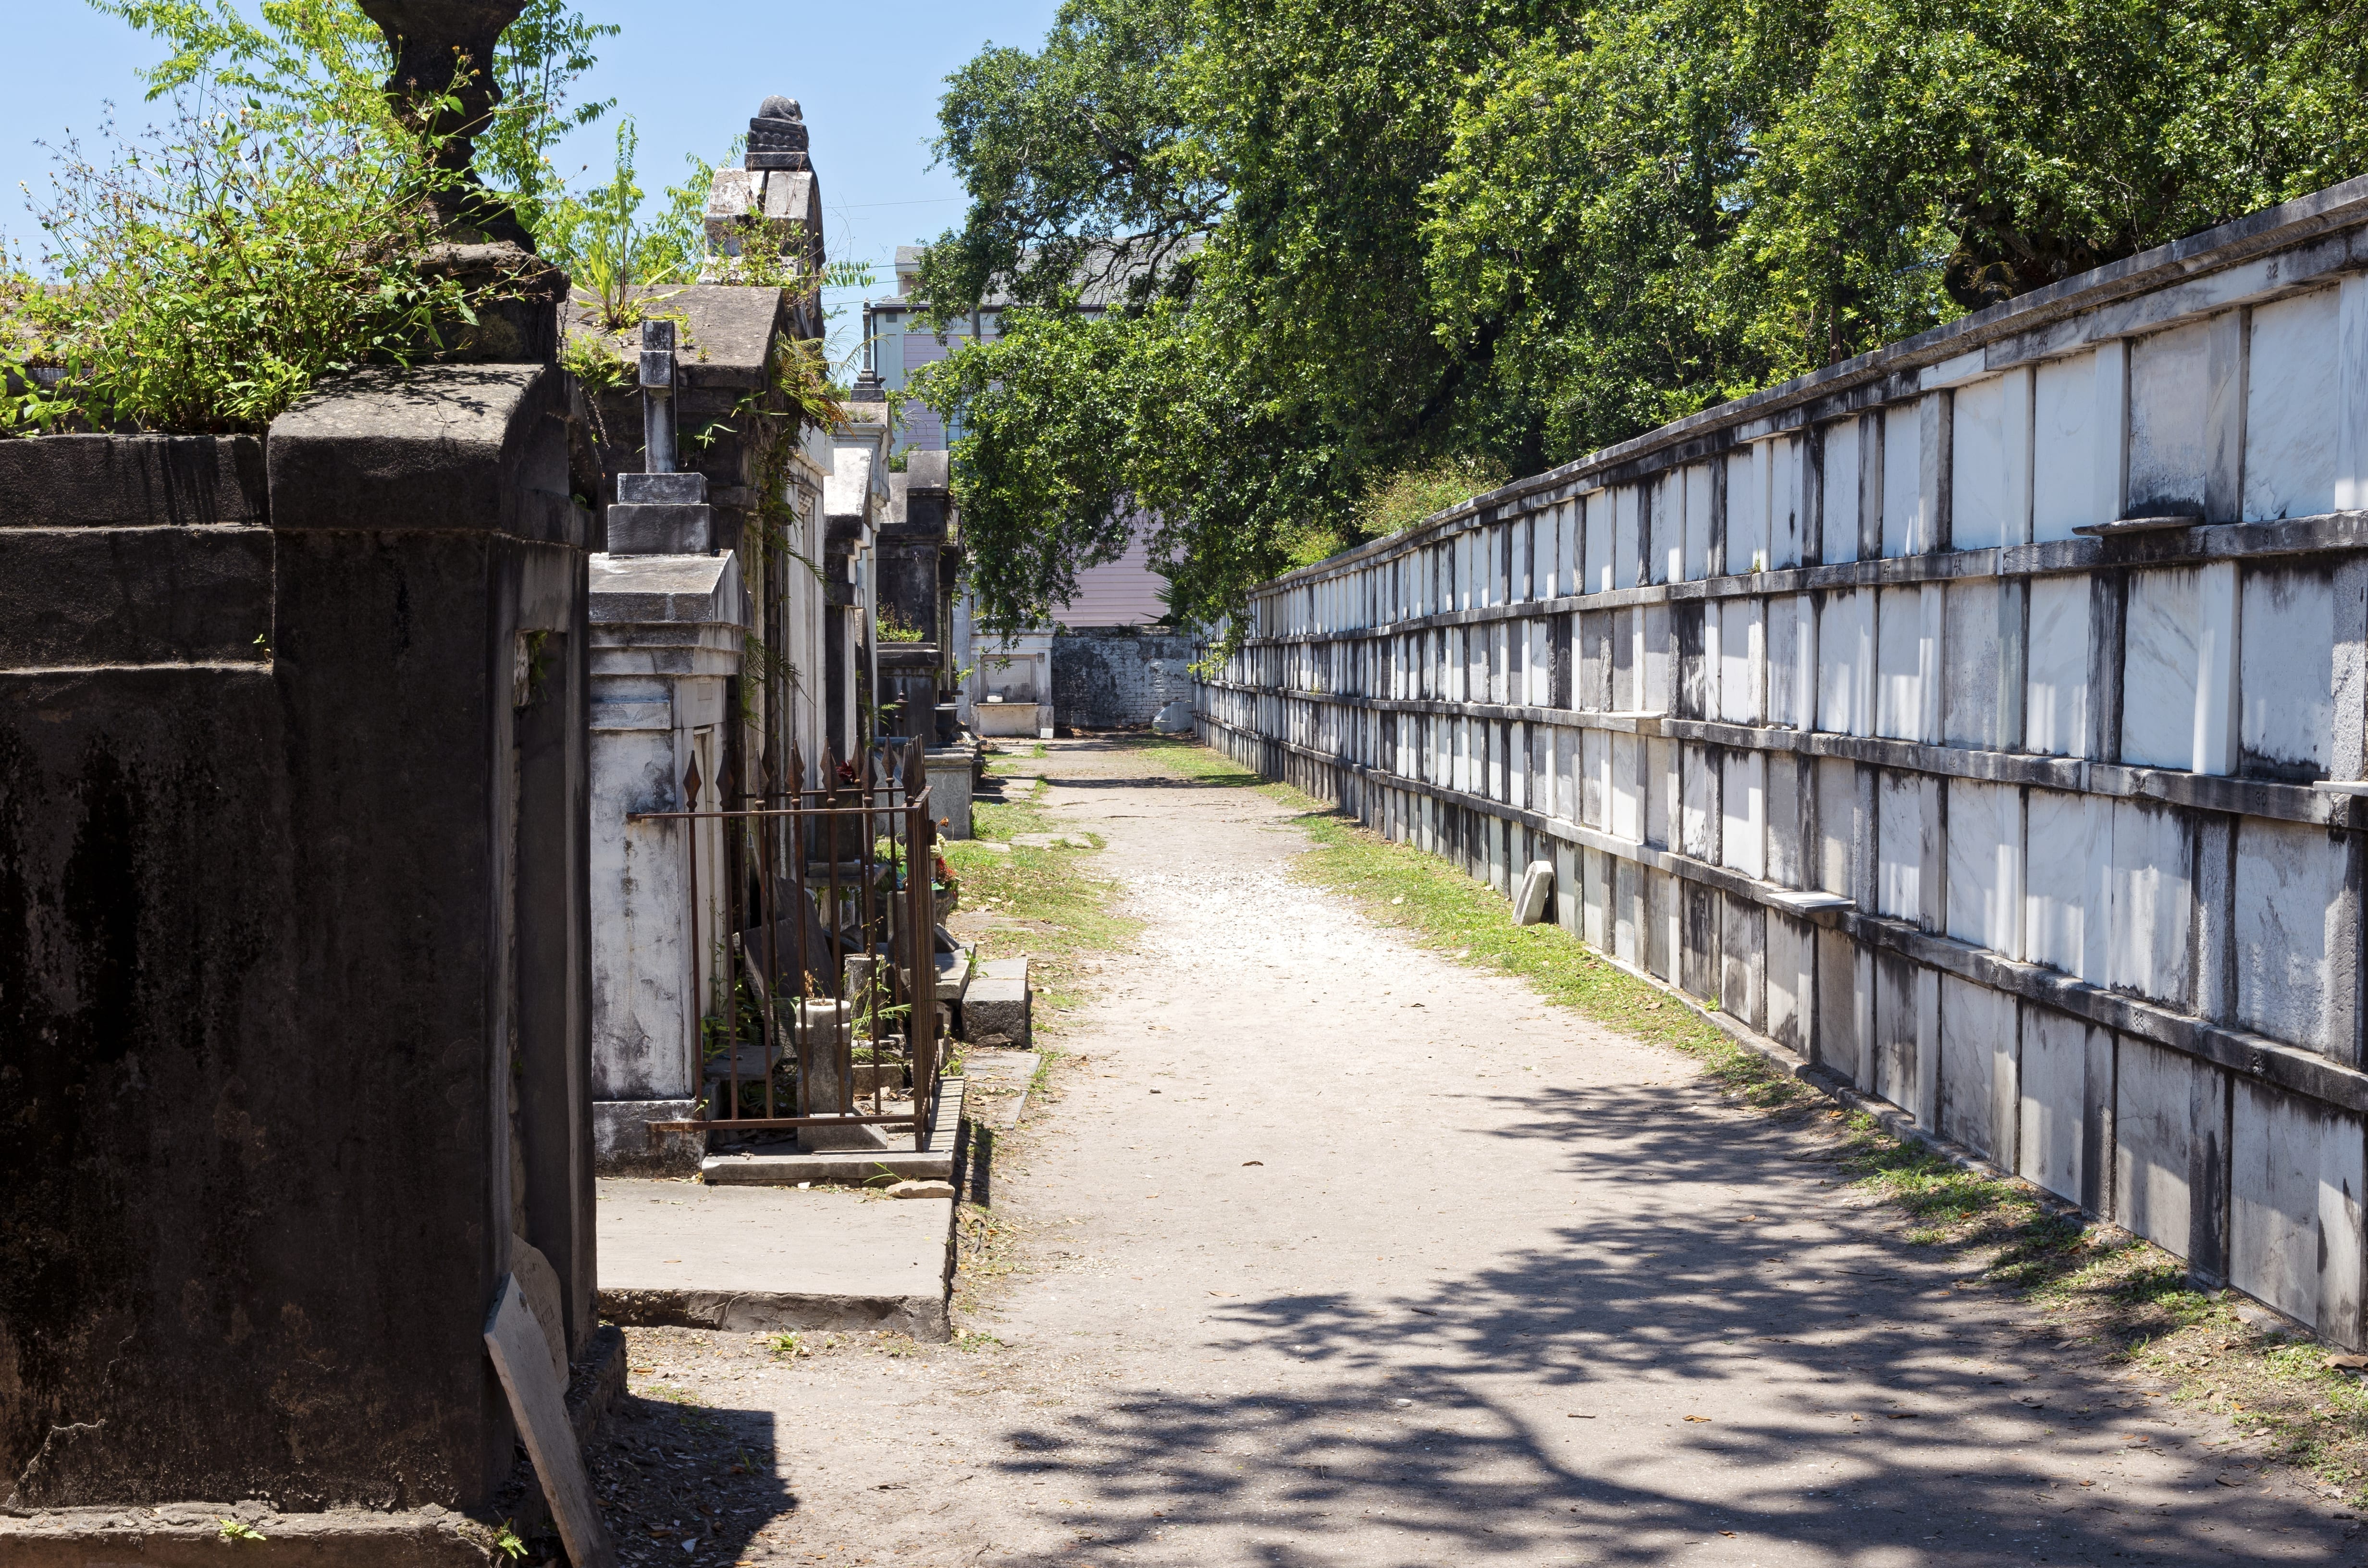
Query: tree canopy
{"type": "Point", "coordinates": [1353, 250]}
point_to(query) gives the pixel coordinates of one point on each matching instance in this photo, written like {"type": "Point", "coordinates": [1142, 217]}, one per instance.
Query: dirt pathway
{"type": "Point", "coordinates": [1339, 1254]}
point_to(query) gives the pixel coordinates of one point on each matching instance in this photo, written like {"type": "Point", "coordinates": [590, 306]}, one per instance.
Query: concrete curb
{"type": "Point", "coordinates": [188, 1535]}
{"type": "Point", "coordinates": [867, 1167]}
{"type": "Point", "coordinates": [762, 1312]}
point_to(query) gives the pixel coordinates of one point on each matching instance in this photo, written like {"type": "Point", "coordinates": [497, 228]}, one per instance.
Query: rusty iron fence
{"type": "Point", "coordinates": [821, 1009]}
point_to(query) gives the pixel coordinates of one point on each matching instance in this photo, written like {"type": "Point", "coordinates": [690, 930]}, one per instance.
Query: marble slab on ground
{"type": "Point", "coordinates": [998, 1083]}
{"type": "Point", "coordinates": [748, 1259]}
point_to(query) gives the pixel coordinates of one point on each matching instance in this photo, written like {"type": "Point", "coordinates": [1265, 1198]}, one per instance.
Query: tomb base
{"type": "Point", "coordinates": [622, 1143]}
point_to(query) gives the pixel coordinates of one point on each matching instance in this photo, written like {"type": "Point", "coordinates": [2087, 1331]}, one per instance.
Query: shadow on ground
{"type": "Point", "coordinates": [1673, 1303]}
{"type": "Point", "coordinates": [669, 1473]}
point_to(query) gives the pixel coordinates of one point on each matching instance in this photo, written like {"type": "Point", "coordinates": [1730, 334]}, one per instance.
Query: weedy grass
{"type": "Point", "coordinates": [2128, 1300]}
{"type": "Point", "coordinates": [1049, 905]}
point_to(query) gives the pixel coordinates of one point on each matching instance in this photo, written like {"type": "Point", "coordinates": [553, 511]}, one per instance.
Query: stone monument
{"type": "Point", "coordinates": [292, 753]}
{"type": "Point", "coordinates": [670, 623]}
{"type": "Point", "coordinates": [444, 53]}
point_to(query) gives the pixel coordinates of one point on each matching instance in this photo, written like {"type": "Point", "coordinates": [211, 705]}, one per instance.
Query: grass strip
{"type": "Point", "coordinates": [1048, 905]}
{"type": "Point", "coordinates": [2128, 1300]}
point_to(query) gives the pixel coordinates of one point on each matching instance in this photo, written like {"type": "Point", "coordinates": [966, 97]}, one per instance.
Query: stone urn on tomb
{"type": "Point", "coordinates": [445, 48]}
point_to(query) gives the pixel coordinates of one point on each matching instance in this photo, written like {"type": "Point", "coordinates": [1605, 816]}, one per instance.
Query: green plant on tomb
{"type": "Point", "coordinates": [279, 226]}
{"type": "Point", "coordinates": [893, 628]}
{"type": "Point", "coordinates": [209, 272]}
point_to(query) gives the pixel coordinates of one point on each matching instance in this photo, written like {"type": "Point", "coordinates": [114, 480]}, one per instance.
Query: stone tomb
{"type": "Point", "coordinates": [292, 830]}
{"type": "Point", "coordinates": [1985, 719]}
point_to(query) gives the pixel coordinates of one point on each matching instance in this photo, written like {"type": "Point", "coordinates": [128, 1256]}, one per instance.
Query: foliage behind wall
{"type": "Point", "coordinates": [1350, 241]}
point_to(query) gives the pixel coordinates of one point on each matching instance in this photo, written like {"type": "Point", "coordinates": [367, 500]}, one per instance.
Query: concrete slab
{"type": "Point", "coordinates": [190, 1536]}
{"type": "Point", "coordinates": [954, 972]}
{"type": "Point", "coordinates": [997, 1004]}
{"type": "Point", "coordinates": [999, 1081]}
{"type": "Point", "coordinates": [746, 1259]}
{"type": "Point", "coordinates": [935, 1162]}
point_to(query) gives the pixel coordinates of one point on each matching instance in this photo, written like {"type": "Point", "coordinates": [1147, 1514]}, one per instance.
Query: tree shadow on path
{"type": "Point", "coordinates": [1452, 1434]}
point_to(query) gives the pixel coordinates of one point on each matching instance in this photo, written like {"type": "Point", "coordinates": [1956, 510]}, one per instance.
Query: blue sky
{"type": "Point", "coordinates": [690, 72]}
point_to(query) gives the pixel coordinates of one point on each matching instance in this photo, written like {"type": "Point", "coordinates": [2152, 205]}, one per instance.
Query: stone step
{"type": "Point", "coordinates": [999, 1082]}
{"type": "Point", "coordinates": [999, 1006]}
{"type": "Point", "coordinates": [852, 1167]}
{"type": "Point", "coordinates": [753, 1259]}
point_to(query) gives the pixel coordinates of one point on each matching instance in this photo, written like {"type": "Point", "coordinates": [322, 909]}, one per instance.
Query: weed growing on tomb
{"type": "Point", "coordinates": [281, 225]}
{"type": "Point", "coordinates": [209, 272]}
{"type": "Point", "coordinates": [2099, 1287]}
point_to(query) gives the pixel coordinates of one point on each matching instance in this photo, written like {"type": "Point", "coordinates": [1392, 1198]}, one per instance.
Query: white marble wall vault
{"type": "Point", "coordinates": [1982, 717]}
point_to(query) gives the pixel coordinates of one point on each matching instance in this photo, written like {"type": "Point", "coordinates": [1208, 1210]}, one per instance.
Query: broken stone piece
{"type": "Point", "coordinates": [1537, 887]}
{"type": "Point", "coordinates": [922, 1189]}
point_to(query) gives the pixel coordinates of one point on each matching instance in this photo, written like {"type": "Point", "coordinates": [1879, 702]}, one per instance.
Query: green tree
{"type": "Point", "coordinates": [537, 62]}
{"type": "Point", "coordinates": [1500, 234]}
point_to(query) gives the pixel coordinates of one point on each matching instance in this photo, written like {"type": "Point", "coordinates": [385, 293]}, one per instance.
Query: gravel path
{"type": "Point", "coordinates": [1334, 1251]}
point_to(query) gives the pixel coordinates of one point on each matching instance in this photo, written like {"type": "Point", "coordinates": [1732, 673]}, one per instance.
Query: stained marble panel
{"type": "Point", "coordinates": [1699, 824]}
{"type": "Point", "coordinates": [1903, 516]}
{"type": "Point", "coordinates": [2056, 691]}
{"type": "Point", "coordinates": [2171, 393]}
{"type": "Point", "coordinates": [1627, 540]}
{"type": "Point", "coordinates": [2153, 904]}
{"type": "Point", "coordinates": [2065, 454]}
{"type": "Point", "coordinates": [1900, 846]}
{"type": "Point", "coordinates": [2287, 685]}
{"type": "Point", "coordinates": [1597, 511]}
{"type": "Point", "coordinates": [1787, 528]}
{"type": "Point", "coordinates": [1659, 693]}
{"type": "Point", "coordinates": [1839, 491]}
{"type": "Point", "coordinates": [1845, 651]}
{"type": "Point", "coordinates": [1789, 676]}
{"type": "Point", "coordinates": [1792, 986]}
{"type": "Point", "coordinates": [2291, 407]}
{"type": "Point", "coordinates": [2295, 1222]}
{"type": "Point", "coordinates": [2067, 881]}
{"type": "Point", "coordinates": [1743, 810]}
{"type": "Point", "coordinates": [2161, 666]}
{"type": "Point", "coordinates": [1903, 656]}
{"type": "Point", "coordinates": [1986, 864]}
{"type": "Point", "coordinates": [2055, 1083]}
{"type": "Point", "coordinates": [1977, 512]}
{"type": "Point", "coordinates": [1661, 786]}
{"type": "Point", "coordinates": [2157, 1127]}
{"type": "Point", "coordinates": [1788, 777]}
{"type": "Point", "coordinates": [1835, 1044]}
{"type": "Point", "coordinates": [1747, 509]}
{"type": "Point", "coordinates": [1694, 482]}
{"type": "Point", "coordinates": [1595, 763]}
{"type": "Point", "coordinates": [1595, 915]}
{"type": "Point", "coordinates": [1978, 1062]}
{"type": "Point", "coordinates": [2294, 968]}
{"type": "Point", "coordinates": [1836, 784]}
{"type": "Point", "coordinates": [1742, 651]}
{"type": "Point", "coordinates": [1970, 670]}
{"type": "Point", "coordinates": [1896, 1055]}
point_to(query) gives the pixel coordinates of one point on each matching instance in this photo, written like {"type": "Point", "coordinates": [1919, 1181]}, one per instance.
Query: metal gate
{"type": "Point", "coordinates": [821, 1008]}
